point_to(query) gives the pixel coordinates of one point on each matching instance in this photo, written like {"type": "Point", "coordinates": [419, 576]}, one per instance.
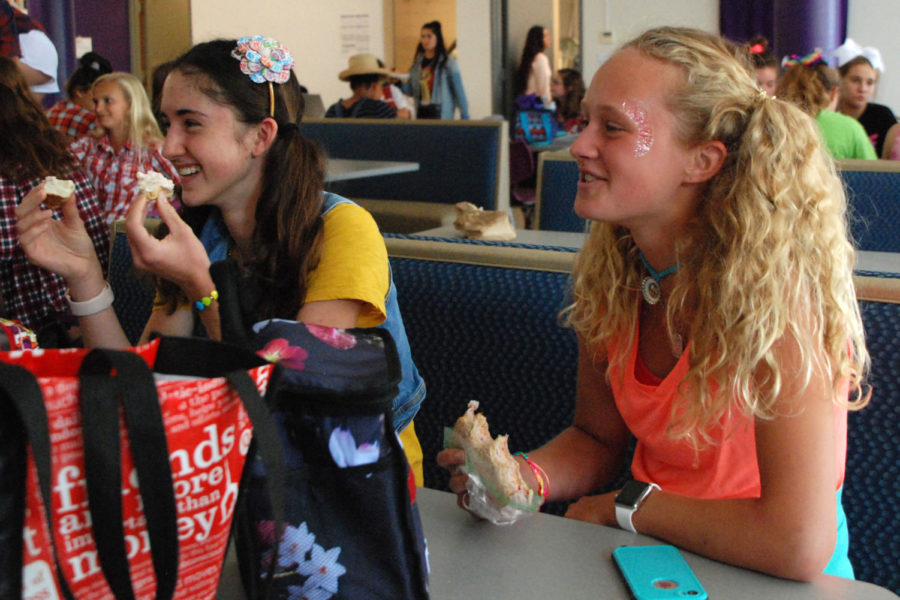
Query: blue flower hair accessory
{"type": "Point", "coordinates": [263, 59]}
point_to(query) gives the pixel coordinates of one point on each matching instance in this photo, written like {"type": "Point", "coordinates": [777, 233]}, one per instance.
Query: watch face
{"type": "Point", "coordinates": [632, 492]}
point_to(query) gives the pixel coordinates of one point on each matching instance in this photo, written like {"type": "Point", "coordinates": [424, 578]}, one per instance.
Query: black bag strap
{"type": "Point", "coordinates": [108, 377]}
{"type": "Point", "coordinates": [19, 388]}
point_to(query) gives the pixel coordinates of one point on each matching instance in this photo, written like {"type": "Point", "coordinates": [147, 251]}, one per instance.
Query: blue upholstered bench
{"type": "Point", "coordinates": [482, 324]}
{"type": "Point", "coordinates": [873, 193]}
{"type": "Point", "coordinates": [458, 161]}
{"type": "Point", "coordinates": [557, 184]}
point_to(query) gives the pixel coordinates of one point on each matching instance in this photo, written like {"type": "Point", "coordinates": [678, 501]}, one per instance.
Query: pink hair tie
{"type": "Point", "coordinates": [757, 49]}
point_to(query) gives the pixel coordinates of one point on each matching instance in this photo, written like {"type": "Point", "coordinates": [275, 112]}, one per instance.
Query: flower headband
{"type": "Point", "coordinates": [850, 50]}
{"type": "Point", "coordinates": [810, 60]}
{"type": "Point", "coordinates": [265, 61]}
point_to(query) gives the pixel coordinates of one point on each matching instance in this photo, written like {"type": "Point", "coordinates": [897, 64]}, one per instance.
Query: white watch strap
{"type": "Point", "coordinates": [97, 304]}
{"type": "Point", "coordinates": [624, 513]}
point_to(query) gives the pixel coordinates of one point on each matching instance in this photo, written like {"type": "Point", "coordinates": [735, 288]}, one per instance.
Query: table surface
{"type": "Point", "coordinates": [341, 169]}
{"type": "Point", "coordinates": [883, 262]}
{"type": "Point", "coordinates": [545, 556]}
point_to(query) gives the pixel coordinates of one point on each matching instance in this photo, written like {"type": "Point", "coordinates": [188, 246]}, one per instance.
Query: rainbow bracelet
{"type": "Point", "coordinates": [206, 300]}
{"type": "Point", "coordinates": [540, 474]}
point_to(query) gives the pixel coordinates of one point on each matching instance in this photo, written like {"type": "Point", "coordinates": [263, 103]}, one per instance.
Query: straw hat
{"type": "Point", "coordinates": [363, 64]}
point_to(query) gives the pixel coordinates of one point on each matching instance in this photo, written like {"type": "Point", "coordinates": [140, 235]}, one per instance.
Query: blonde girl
{"type": "Point", "coordinates": [716, 315]}
{"type": "Point", "coordinates": [130, 143]}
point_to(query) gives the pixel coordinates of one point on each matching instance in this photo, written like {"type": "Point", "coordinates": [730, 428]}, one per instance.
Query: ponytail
{"type": "Point", "coordinates": [289, 224]}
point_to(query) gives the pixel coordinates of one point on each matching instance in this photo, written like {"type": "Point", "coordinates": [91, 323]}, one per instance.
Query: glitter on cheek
{"type": "Point", "coordinates": [645, 134]}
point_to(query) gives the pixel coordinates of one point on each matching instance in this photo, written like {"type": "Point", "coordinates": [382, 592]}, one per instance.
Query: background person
{"type": "Point", "coordinates": [764, 64]}
{"type": "Point", "coordinates": [24, 40]}
{"type": "Point", "coordinates": [567, 88]}
{"type": "Point", "coordinates": [434, 83]}
{"type": "Point", "coordinates": [716, 315]}
{"type": "Point", "coordinates": [130, 143]}
{"type": "Point", "coordinates": [860, 69]}
{"type": "Point", "coordinates": [365, 77]}
{"type": "Point", "coordinates": [815, 87]}
{"type": "Point", "coordinates": [75, 116]}
{"type": "Point", "coordinates": [534, 73]}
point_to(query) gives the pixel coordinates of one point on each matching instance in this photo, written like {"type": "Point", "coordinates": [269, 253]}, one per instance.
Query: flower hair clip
{"type": "Point", "coordinates": [263, 59]}
{"type": "Point", "coordinates": [810, 60]}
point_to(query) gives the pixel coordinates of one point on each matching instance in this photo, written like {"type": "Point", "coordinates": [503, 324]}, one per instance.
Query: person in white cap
{"type": "Point", "coordinates": [860, 69]}
{"type": "Point", "coordinates": [364, 75]}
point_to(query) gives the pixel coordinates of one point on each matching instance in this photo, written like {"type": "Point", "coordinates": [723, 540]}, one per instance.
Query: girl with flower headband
{"type": "Point", "coordinates": [860, 69]}
{"type": "Point", "coordinates": [252, 189]}
{"type": "Point", "coordinates": [716, 316]}
{"type": "Point", "coordinates": [815, 87]}
{"type": "Point", "coordinates": [764, 62]}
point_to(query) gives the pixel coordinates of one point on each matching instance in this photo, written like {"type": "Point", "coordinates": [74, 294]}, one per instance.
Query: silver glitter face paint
{"type": "Point", "coordinates": [638, 116]}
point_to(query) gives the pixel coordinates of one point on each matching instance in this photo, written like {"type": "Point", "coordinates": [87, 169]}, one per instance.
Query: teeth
{"type": "Point", "coordinates": [184, 172]}
{"type": "Point", "coordinates": [588, 178]}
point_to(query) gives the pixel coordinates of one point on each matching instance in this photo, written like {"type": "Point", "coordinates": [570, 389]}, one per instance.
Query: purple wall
{"type": "Point", "coordinates": [106, 22]}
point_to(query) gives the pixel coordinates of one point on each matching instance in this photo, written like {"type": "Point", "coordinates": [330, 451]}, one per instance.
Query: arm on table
{"type": "Point", "coordinates": [790, 530]}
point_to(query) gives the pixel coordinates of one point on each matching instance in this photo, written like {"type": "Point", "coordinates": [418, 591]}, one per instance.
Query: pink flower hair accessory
{"type": "Point", "coordinates": [263, 59]}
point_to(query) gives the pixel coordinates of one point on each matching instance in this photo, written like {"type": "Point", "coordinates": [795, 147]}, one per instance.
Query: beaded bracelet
{"type": "Point", "coordinates": [540, 474]}
{"type": "Point", "coordinates": [206, 300]}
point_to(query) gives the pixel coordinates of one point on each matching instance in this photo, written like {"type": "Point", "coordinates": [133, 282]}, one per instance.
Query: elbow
{"type": "Point", "coordinates": [802, 555]}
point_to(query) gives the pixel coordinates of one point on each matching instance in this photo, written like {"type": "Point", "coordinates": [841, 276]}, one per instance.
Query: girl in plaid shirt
{"type": "Point", "coordinates": [31, 150]}
{"type": "Point", "coordinates": [131, 143]}
{"type": "Point", "coordinates": [75, 116]}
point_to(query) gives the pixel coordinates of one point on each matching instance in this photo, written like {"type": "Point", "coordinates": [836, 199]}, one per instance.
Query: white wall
{"type": "Point", "coordinates": [310, 29]}
{"type": "Point", "coordinates": [625, 19]}
{"type": "Point", "coordinates": [874, 23]}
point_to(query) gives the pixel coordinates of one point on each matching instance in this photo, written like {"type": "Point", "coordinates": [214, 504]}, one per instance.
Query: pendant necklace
{"type": "Point", "coordinates": [650, 287]}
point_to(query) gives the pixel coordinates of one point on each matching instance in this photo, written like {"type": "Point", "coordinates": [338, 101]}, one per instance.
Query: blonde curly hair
{"type": "Point", "coordinates": [766, 256]}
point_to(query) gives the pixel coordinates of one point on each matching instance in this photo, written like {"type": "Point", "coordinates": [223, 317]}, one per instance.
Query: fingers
{"type": "Point", "coordinates": [32, 201]}
{"type": "Point", "coordinates": [451, 457]}
{"type": "Point", "coordinates": [134, 220]}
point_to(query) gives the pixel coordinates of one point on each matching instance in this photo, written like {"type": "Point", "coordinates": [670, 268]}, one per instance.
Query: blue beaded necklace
{"type": "Point", "coordinates": [650, 285]}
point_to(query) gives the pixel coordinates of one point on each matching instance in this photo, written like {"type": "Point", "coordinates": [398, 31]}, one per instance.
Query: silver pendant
{"type": "Point", "coordinates": [650, 290]}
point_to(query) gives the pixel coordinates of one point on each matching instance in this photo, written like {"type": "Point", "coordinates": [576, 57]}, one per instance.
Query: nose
{"type": "Point", "coordinates": [173, 144]}
{"type": "Point", "coordinates": [585, 145]}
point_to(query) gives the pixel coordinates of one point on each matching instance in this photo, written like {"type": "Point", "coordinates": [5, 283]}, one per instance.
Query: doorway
{"type": "Point", "coordinates": [160, 32]}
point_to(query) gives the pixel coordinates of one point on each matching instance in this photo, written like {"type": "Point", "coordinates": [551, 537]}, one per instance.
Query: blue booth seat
{"type": "Point", "coordinates": [873, 195]}
{"type": "Point", "coordinates": [557, 184]}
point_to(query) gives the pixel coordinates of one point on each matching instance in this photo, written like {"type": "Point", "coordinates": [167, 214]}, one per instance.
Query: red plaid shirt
{"type": "Point", "coordinates": [114, 174]}
{"type": "Point", "coordinates": [32, 295]}
{"type": "Point", "coordinates": [72, 119]}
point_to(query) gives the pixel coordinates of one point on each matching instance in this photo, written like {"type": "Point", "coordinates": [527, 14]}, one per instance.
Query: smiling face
{"type": "Point", "coordinates": [631, 165]}
{"type": "Point", "coordinates": [211, 149]}
{"type": "Point", "coordinates": [858, 86]}
{"type": "Point", "coordinates": [111, 107]}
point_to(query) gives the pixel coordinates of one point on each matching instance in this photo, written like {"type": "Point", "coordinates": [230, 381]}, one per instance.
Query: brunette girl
{"type": "Point", "coordinates": [252, 190]}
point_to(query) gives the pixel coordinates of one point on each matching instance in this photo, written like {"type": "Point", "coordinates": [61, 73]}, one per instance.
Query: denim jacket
{"type": "Point", "coordinates": [411, 389]}
{"type": "Point", "coordinates": [448, 88]}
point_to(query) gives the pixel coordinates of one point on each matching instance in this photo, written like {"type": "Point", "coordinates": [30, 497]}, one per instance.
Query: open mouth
{"type": "Point", "coordinates": [188, 171]}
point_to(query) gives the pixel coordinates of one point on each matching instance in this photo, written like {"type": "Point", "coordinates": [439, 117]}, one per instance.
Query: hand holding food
{"type": "Point", "coordinates": [153, 184]}
{"type": "Point", "coordinates": [496, 489]}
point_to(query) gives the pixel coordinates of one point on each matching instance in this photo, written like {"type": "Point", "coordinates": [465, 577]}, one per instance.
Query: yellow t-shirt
{"type": "Point", "coordinates": [353, 263]}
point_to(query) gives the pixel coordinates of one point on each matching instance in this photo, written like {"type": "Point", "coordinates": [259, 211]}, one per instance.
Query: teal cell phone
{"type": "Point", "coordinates": [657, 573]}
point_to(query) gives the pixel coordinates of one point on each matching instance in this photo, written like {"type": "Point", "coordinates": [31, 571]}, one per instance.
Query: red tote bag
{"type": "Point", "coordinates": [142, 454]}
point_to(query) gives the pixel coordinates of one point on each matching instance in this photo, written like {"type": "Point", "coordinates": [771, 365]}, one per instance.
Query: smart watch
{"type": "Point", "coordinates": [629, 499]}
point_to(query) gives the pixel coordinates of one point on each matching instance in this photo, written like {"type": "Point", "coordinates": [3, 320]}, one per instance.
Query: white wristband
{"type": "Point", "coordinates": [97, 304]}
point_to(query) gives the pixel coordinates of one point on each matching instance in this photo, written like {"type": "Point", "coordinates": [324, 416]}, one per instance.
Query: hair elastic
{"type": "Point", "coordinates": [810, 60]}
{"type": "Point", "coordinates": [206, 300]}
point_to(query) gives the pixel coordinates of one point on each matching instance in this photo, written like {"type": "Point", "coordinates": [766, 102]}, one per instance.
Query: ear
{"type": "Point", "coordinates": [705, 161]}
{"type": "Point", "coordinates": [266, 132]}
